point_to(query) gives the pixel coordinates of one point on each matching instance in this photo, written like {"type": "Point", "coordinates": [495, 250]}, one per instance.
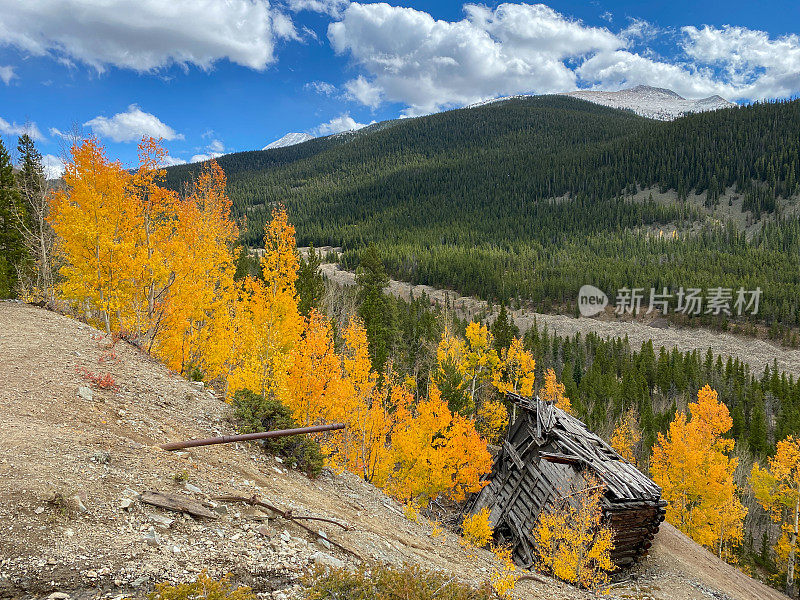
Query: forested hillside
{"type": "Point", "coordinates": [531, 198]}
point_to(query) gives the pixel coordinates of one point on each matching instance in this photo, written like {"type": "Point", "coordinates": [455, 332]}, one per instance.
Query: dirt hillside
{"type": "Point", "coordinates": [75, 460]}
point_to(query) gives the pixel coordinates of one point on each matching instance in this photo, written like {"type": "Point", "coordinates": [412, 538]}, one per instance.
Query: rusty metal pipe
{"type": "Point", "coordinates": [245, 437]}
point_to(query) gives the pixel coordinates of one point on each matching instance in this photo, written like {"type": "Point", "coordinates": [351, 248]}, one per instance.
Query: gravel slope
{"type": "Point", "coordinates": [72, 467]}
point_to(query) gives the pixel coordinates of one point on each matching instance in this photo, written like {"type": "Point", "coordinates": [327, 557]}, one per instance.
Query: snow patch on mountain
{"type": "Point", "coordinates": [652, 102]}
{"type": "Point", "coordinates": [290, 139]}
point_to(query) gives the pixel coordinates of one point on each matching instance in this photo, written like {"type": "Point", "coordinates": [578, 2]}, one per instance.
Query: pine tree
{"type": "Point", "coordinates": [504, 330]}
{"type": "Point", "coordinates": [37, 280]}
{"type": "Point", "coordinates": [12, 248]}
{"type": "Point", "coordinates": [375, 309]}
{"type": "Point", "coordinates": [310, 284]}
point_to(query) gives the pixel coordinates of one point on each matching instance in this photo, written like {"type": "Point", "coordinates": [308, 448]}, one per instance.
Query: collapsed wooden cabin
{"type": "Point", "coordinates": [544, 457]}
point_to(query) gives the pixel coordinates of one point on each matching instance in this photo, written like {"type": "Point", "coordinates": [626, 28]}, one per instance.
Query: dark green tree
{"type": "Point", "coordinates": [310, 284]}
{"type": "Point", "coordinates": [504, 330]}
{"type": "Point", "coordinates": [12, 211]}
{"type": "Point", "coordinates": [375, 308]}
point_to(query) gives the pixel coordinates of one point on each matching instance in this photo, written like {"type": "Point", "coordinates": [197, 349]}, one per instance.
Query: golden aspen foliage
{"type": "Point", "coordinates": [267, 321]}
{"type": "Point", "coordinates": [626, 436]}
{"type": "Point", "coordinates": [316, 372]}
{"type": "Point", "coordinates": [479, 361]}
{"type": "Point", "coordinates": [436, 451]}
{"type": "Point", "coordinates": [693, 467]}
{"type": "Point", "coordinates": [516, 370]}
{"type": "Point", "coordinates": [195, 326]}
{"type": "Point", "coordinates": [777, 489]}
{"type": "Point", "coordinates": [503, 579]}
{"type": "Point", "coordinates": [572, 542]}
{"type": "Point", "coordinates": [553, 391]}
{"type": "Point", "coordinates": [476, 530]}
{"type": "Point", "coordinates": [137, 257]}
{"type": "Point", "coordinates": [92, 224]}
{"type": "Point", "coordinates": [491, 420]}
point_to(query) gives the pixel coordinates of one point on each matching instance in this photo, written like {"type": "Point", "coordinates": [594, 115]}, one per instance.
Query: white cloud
{"type": "Point", "coordinates": [321, 87]}
{"type": "Point", "coordinates": [131, 126]}
{"type": "Point", "coordinates": [7, 74]}
{"type": "Point", "coordinates": [216, 146]}
{"type": "Point", "coordinates": [16, 129]}
{"type": "Point", "coordinates": [337, 125]}
{"type": "Point", "coordinates": [214, 149]}
{"type": "Point", "coordinates": [171, 161]}
{"type": "Point", "coordinates": [369, 94]}
{"type": "Point", "coordinates": [333, 8]}
{"type": "Point", "coordinates": [146, 34]}
{"type": "Point", "coordinates": [753, 64]}
{"type": "Point", "coordinates": [428, 64]}
{"type": "Point", "coordinates": [406, 56]}
{"type": "Point", "coordinates": [53, 166]}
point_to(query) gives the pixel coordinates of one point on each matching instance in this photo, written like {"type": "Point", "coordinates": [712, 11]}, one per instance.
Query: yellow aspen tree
{"type": "Point", "coordinates": [154, 210]}
{"type": "Point", "coordinates": [195, 327]}
{"type": "Point", "coordinates": [479, 361]}
{"type": "Point", "coordinates": [693, 467]}
{"type": "Point", "coordinates": [777, 489]}
{"type": "Point", "coordinates": [626, 436]}
{"type": "Point", "coordinates": [554, 392]}
{"type": "Point", "coordinates": [516, 370]}
{"type": "Point", "coordinates": [315, 373]}
{"type": "Point", "coordinates": [572, 542]}
{"type": "Point", "coordinates": [92, 220]}
{"type": "Point", "coordinates": [268, 316]}
{"type": "Point", "coordinates": [436, 451]}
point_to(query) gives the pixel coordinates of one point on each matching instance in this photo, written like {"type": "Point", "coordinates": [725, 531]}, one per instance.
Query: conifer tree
{"type": "Point", "coordinates": [12, 248]}
{"type": "Point", "coordinates": [375, 309]}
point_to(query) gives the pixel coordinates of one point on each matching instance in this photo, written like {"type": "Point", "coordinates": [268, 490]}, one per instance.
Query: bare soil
{"type": "Point", "coordinates": [72, 467]}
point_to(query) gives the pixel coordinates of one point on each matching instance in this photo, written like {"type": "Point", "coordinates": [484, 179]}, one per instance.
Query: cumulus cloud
{"type": "Point", "coordinates": [753, 64]}
{"type": "Point", "coordinates": [16, 129]}
{"type": "Point", "coordinates": [53, 166]}
{"type": "Point", "coordinates": [7, 74]}
{"type": "Point", "coordinates": [337, 125]}
{"type": "Point", "coordinates": [333, 8]}
{"type": "Point", "coordinates": [131, 126]}
{"type": "Point", "coordinates": [214, 149]}
{"type": "Point", "coordinates": [429, 64]}
{"type": "Point", "coordinates": [146, 34]}
{"type": "Point", "coordinates": [406, 56]}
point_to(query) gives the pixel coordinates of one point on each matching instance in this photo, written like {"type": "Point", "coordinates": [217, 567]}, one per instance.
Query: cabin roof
{"type": "Point", "coordinates": [562, 438]}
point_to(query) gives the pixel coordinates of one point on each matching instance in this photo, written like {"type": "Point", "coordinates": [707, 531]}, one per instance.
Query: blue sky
{"type": "Point", "coordinates": [216, 76]}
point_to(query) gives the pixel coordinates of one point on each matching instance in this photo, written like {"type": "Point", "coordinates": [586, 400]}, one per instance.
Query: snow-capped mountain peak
{"type": "Point", "coordinates": [652, 102]}
{"type": "Point", "coordinates": [290, 139]}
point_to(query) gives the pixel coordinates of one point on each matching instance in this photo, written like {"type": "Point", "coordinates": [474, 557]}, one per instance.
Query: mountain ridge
{"type": "Point", "coordinates": [661, 104]}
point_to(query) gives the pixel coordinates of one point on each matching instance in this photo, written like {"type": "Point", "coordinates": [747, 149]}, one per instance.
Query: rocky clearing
{"type": "Point", "coordinates": [74, 460]}
{"type": "Point", "coordinates": [756, 353]}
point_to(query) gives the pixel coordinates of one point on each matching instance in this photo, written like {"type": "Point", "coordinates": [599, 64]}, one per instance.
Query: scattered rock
{"type": "Point", "coordinates": [286, 537]}
{"type": "Point", "coordinates": [323, 539]}
{"type": "Point", "coordinates": [152, 538]}
{"type": "Point", "coordinates": [326, 560]}
{"type": "Point", "coordinates": [92, 574]}
{"type": "Point", "coordinates": [76, 502]}
{"type": "Point", "coordinates": [264, 530]}
{"type": "Point", "coordinates": [193, 488]}
{"type": "Point", "coordinates": [221, 509]}
{"type": "Point", "coordinates": [85, 393]}
{"type": "Point", "coordinates": [38, 510]}
{"type": "Point", "coordinates": [161, 522]}
{"type": "Point", "coordinates": [126, 504]}
{"type": "Point", "coordinates": [58, 596]}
